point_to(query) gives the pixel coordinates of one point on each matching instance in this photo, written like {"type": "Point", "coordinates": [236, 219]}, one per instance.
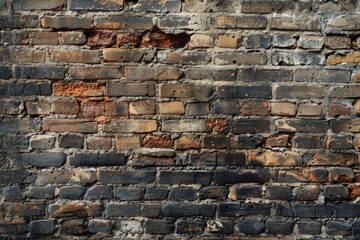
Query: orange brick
{"type": "Point", "coordinates": [172, 108]}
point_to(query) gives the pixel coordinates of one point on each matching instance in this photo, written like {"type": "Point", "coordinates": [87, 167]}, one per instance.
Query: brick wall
{"type": "Point", "coordinates": [151, 119]}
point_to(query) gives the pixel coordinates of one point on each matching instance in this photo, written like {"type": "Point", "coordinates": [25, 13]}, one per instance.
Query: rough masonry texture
{"type": "Point", "coordinates": [179, 119]}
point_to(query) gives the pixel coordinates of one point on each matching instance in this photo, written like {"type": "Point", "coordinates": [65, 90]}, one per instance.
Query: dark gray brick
{"type": "Point", "coordinates": [98, 159]}
{"type": "Point", "coordinates": [42, 192]}
{"type": "Point", "coordinates": [188, 210]}
{"type": "Point", "coordinates": [251, 227]}
{"type": "Point", "coordinates": [44, 159]}
{"type": "Point", "coordinates": [129, 193]}
{"type": "Point", "coordinates": [42, 227]}
{"type": "Point", "coordinates": [183, 194]}
{"type": "Point", "coordinates": [99, 192]}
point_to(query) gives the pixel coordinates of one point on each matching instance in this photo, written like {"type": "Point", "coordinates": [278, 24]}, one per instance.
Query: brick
{"type": "Point", "coordinates": [67, 176]}
{"type": "Point", "coordinates": [277, 141]}
{"type": "Point", "coordinates": [153, 73]}
{"type": "Point", "coordinates": [226, 107]}
{"type": "Point", "coordinates": [156, 6]}
{"type": "Point", "coordinates": [96, 143]}
{"type": "Point", "coordinates": [239, 192]}
{"type": "Point", "coordinates": [348, 91]}
{"type": "Point", "coordinates": [129, 193]}
{"type": "Point", "coordinates": [9, 106]}
{"type": "Point", "coordinates": [196, 92]}
{"type": "Point", "coordinates": [14, 37]}
{"type": "Point", "coordinates": [15, 176]}
{"type": "Point", "coordinates": [156, 194]}
{"type": "Point", "coordinates": [241, 92]}
{"type": "Point", "coordinates": [283, 210]}
{"type": "Point", "coordinates": [250, 142]}
{"type": "Point", "coordinates": [269, 158]}
{"type": "Point", "coordinates": [183, 194]}
{"type": "Point", "coordinates": [345, 125]}
{"type": "Point", "coordinates": [311, 42]}
{"type": "Point", "coordinates": [307, 126]}
{"type": "Point", "coordinates": [72, 38]}
{"type": "Point", "coordinates": [229, 41]}
{"type": "Point", "coordinates": [337, 42]}
{"type": "Point", "coordinates": [257, 41]}
{"type": "Point", "coordinates": [318, 175]}
{"type": "Point", "coordinates": [171, 108]}
{"type": "Point", "coordinates": [307, 142]}
{"type": "Point", "coordinates": [186, 125]}
{"type": "Point", "coordinates": [98, 72]}
{"type": "Point", "coordinates": [331, 159]}
{"type": "Point", "coordinates": [241, 176]}
{"type": "Point", "coordinates": [127, 177]}
{"type": "Point", "coordinates": [42, 227]}
{"type": "Point", "coordinates": [21, 125]}
{"type": "Point", "coordinates": [73, 192]}
{"type": "Point", "coordinates": [24, 56]}
{"type": "Point", "coordinates": [209, 6]}
{"type": "Point", "coordinates": [19, 21]}
{"type": "Point", "coordinates": [306, 193]}
{"type": "Point", "coordinates": [237, 126]}
{"type": "Point", "coordinates": [69, 125]}
{"type": "Point", "coordinates": [132, 226]}
{"type": "Point", "coordinates": [99, 193]}
{"type": "Point", "coordinates": [299, 91]}
{"type": "Point", "coordinates": [309, 227]}
{"type": "Point", "coordinates": [38, 5]}
{"type": "Point", "coordinates": [114, 89]}
{"type": "Point", "coordinates": [124, 21]}
{"type": "Point", "coordinates": [338, 142]}
{"type": "Point", "coordinates": [133, 210]}
{"type": "Point", "coordinates": [12, 193]}
{"type": "Point", "coordinates": [186, 57]}
{"type": "Point", "coordinates": [225, 58]}
{"type": "Point", "coordinates": [144, 107]}
{"type": "Point", "coordinates": [44, 38]}
{"type": "Point", "coordinates": [188, 209]}
{"type": "Point", "coordinates": [283, 109]}
{"type": "Point", "coordinates": [300, 23]}
{"type": "Point", "coordinates": [338, 228]}
{"type": "Point", "coordinates": [75, 56]}
{"type": "Point", "coordinates": [98, 159]}
{"type": "Point", "coordinates": [40, 72]}
{"type": "Point", "coordinates": [251, 227]}
{"type": "Point", "coordinates": [346, 210]}
{"type": "Point", "coordinates": [25, 209]}
{"type": "Point", "coordinates": [322, 75]}
{"type": "Point", "coordinates": [5, 72]}
{"type": "Point", "coordinates": [184, 23]}
{"type": "Point", "coordinates": [217, 142]}
{"type": "Point", "coordinates": [17, 88]}
{"type": "Point", "coordinates": [42, 192]}
{"type": "Point", "coordinates": [310, 109]}
{"type": "Point", "coordinates": [127, 142]}
{"type": "Point", "coordinates": [96, 5]}
{"type": "Point", "coordinates": [74, 209]}
{"type": "Point", "coordinates": [186, 142]}
{"type": "Point", "coordinates": [213, 192]}
{"type": "Point", "coordinates": [297, 58]}
{"type": "Point", "coordinates": [200, 41]}
{"type": "Point", "coordinates": [91, 109]}
{"type": "Point", "coordinates": [241, 22]}
{"type": "Point", "coordinates": [265, 75]}
{"type": "Point", "coordinates": [65, 105]}
{"type": "Point", "coordinates": [284, 41]}
{"type": "Point", "coordinates": [341, 174]}
{"type": "Point", "coordinates": [100, 226]}
{"type": "Point", "coordinates": [15, 142]}
{"type": "Point", "coordinates": [279, 227]}
{"type": "Point", "coordinates": [196, 109]}
{"type": "Point", "coordinates": [255, 107]}
{"type": "Point", "coordinates": [263, 6]}
{"type": "Point", "coordinates": [278, 193]}
{"type": "Point", "coordinates": [190, 227]}
{"type": "Point", "coordinates": [159, 227]}
{"type": "Point", "coordinates": [43, 159]}
{"type": "Point", "coordinates": [230, 158]}
{"type": "Point", "coordinates": [245, 209]}
{"type": "Point", "coordinates": [338, 109]}
{"type": "Point", "coordinates": [132, 126]}
{"type": "Point", "coordinates": [349, 58]}
{"type": "Point", "coordinates": [72, 227]}
{"type": "Point", "coordinates": [160, 39]}
{"type": "Point", "coordinates": [128, 55]}
{"type": "Point", "coordinates": [128, 39]}
{"type": "Point", "coordinates": [178, 177]}
{"type": "Point", "coordinates": [205, 158]}
{"type": "Point", "coordinates": [68, 22]}
{"type": "Point", "coordinates": [342, 23]}
{"type": "Point", "coordinates": [41, 107]}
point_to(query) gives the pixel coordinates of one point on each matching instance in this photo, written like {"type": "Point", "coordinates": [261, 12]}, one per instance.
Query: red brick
{"type": "Point", "coordinates": [157, 141]}
{"type": "Point", "coordinates": [274, 158]}
{"type": "Point", "coordinates": [101, 38]}
{"type": "Point", "coordinates": [255, 107]}
{"type": "Point", "coordinates": [127, 39]}
{"type": "Point", "coordinates": [67, 105]}
{"type": "Point", "coordinates": [127, 142]}
{"type": "Point", "coordinates": [78, 89]}
{"type": "Point", "coordinates": [164, 40]}
{"type": "Point", "coordinates": [277, 141]}
{"type": "Point", "coordinates": [349, 58]}
{"type": "Point", "coordinates": [44, 38]}
{"type": "Point", "coordinates": [338, 109]}
{"type": "Point", "coordinates": [98, 108]}
{"type": "Point", "coordinates": [75, 56]}
{"type": "Point", "coordinates": [187, 142]}
{"type": "Point", "coordinates": [96, 143]}
{"type": "Point", "coordinates": [144, 107]}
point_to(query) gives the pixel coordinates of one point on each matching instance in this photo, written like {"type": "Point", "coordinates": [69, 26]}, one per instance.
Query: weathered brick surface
{"type": "Point", "coordinates": [152, 119]}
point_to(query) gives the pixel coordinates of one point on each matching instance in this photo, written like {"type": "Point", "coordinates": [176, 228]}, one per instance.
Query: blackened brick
{"type": "Point", "coordinates": [72, 227]}
{"type": "Point", "coordinates": [133, 210]}
{"type": "Point", "coordinates": [312, 211]}
{"type": "Point", "coordinates": [130, 89]}
{"type": "Point", "coordinates": [309, 227]}
{"type": "Point", "coordinates": [218, 142]}
{"type": "Point", "coordinates": [338, 228]}
{"type": "Point", "coordinates": [213, 192]}
{"type": "Point", "coordinates": [12, 193]}
{"type": "Point", "coordinates": [124, 21]}
{"type": "Point", "coordinates": [44, 159]}
{"type": "Point", "coordinates": [241, 176]}
{"type": "Point", "coordinates": [127, 177]}
{"type": "Point", "coordinates": [73, 192]}
{"type": "Point", "coordinates": [307, 142]}
{"type": "Point", "coordinates": [98, 159]}
{"type": "Point", "coordinates": [42, 227]}
{"type": "Point", "coordinates": [231, 158]}
{"type": "Point", "coordinates": [100, 226]}
{"type": "Point", "coordinates": [86, 5]}
{"type": "Point", "coordinates": [346, 210]}
{"type": "Point", "coordinates": [226, 107]}
{"type": "Point", "coordinates": [299, 91]}
{"type": "Point", "coordinates": [188, 209]}
{"type": "Point", "coordinates": [42, 192]}
{"type": "Point", "coordinates": [177, 177]}
{"type": "Point", "coordinates": [99, 192]}
{"type": "Point", "coordinates": [71, 141]}
{"type": "Point", "coordinates": [298, 125]}
{"type": "Point", "coordinates": [40, 72]}
{"type": "Point", "coordinates": [240, 92]}
{"type": "Point", "coordinates": [336, 192]}
{"type": "Point", "coordinates": [251, 226]}
{"type": "Point", "coordinates": [129, 193]}
{"type": "Point", "coordinates": [190, 227]}
{"type": "Point", "coordinates": [250, 142]}
{"type": "Point", "coordinates": [26, 209]}
{"type": "Point", "coordinates": [283, 210]}
{"type": "Point", "coordinates": [278, 192]}
{"type": "Point", "coordinates": [245, 192]}
{"type": "Point", "coordinates": [279, 227]}
{"type": "Point", "coordinates": [38, 5]}
{"type": "Point", "coordinates": [183, 194]}
{"type": "Point", "coordinates": [241, 22]}
{"type": "Point", "coordinates": [66, 22]}
{"type": "Point", "coordinates": [160, 227]}
{"type": "Point", "coordinates": [265, 75]}
{"type": "Point", "coordinates": [156, 194]}
{"type": "Point", "coordinates": [244, 126]}
{"type": "Point", "coordinates": [5, 72]}
{"type": "Point", "coordinates": [322, 75]}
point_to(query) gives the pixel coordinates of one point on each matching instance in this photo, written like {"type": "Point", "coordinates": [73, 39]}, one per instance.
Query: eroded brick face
{"type": "Point", "coordinates": [179, 119]}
